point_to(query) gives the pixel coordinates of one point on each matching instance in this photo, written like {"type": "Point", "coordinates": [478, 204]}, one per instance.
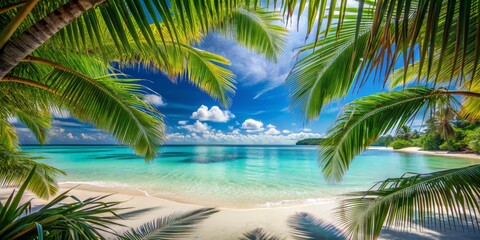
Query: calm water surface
{"type": "Point", "coordinates": [232, 175]}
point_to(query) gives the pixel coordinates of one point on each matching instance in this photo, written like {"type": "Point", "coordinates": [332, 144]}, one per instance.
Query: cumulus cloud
{"type": "Point", "coordinates": [271, 126]}
{"type": "Point", "coordinates": [197, 127]}
{"type": "Point", "coordinates": [182, 122]}
{"type": "Point", "coordinates": [154, 99]}
{"type": "Point", "coordinates": [272, 131]}
{"type": "Point", "coordinates": [252, 125]}
{"type": "Point", "coordinates": [69, 136]}
{"type": "Point", "coordinates": [214, 114]}
{"type": "Point", "coordinates": [306, 129]}
{"type": "Point", "coordinates": [286, 131]}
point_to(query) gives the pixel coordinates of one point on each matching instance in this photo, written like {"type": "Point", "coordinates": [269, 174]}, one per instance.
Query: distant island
{"type": "Point", "coordinates": [310, 141]}
{"type": "Point", "coordinates": [381, 141]}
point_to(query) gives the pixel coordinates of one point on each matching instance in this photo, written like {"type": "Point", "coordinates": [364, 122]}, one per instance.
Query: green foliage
{"type": "Point", "coordinates": [426, 199]}
{"type": "Point", "coordinates": [84, 220]}
{"type": "Point", "coordinates": [383, 141]}
{"type": "Point", "coordinates": [474, 140]}
{"type": "Point", "coordinates": [401, 143]}
{"type": "Point", "coordinates": [367, 118]}
{"type": "Point", "coordinates": [15, 166]}
{"type": "Point", "coordinates": [56, 220]}
{"type": "Point", "coordinates": [431, 141]}
{"type": "Point", "coordinates": [310, 141]}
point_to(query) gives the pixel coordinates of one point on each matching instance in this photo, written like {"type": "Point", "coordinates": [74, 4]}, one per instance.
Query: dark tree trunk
{"type": "Point", "coordinates": [20, 47]}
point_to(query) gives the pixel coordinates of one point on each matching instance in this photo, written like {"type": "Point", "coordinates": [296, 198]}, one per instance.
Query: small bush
{"type": "Point", "coordinates": [431, 142]}
{"type": "Point", "coordinates": [400, 143]}
{"type": "Point", "coordinates": [474, 140]}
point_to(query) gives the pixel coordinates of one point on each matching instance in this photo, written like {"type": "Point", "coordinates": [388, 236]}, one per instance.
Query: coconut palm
{"type": "Point", "coordinates": [405, 133]}
{"type": "Point", "coordinates": [437, 42]}
{"type": "Point", "coordinates": [68, 55]}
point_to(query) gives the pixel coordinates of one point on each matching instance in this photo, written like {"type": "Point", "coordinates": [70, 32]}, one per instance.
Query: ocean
{"type": "Point", "coordinates": [232, 176]}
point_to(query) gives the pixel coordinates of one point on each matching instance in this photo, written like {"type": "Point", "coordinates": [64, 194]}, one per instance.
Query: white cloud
{"type": "Point", "coordinates": [214, 114]}
{"type": "Point", "coordinates": [182, 122]}
{"type": "Point", "coordinates": [286, 131]}
{"type": "Point", "coordinates": [235, 137]}
{"type": "Point", "coordinates": [252, 125]}
{"type": "Point", "coordinates": [306, 130]}
{"type": "Point", "coordinates": [271, 126]}
{"type": "Point", "coordinates": [197, 127]}
{"type": "Point", "coordinates": [272, 131]}
{"type": "Point", "coordinates": [154, 99]}
{"type": "Point", "coordinates": [69, 136]}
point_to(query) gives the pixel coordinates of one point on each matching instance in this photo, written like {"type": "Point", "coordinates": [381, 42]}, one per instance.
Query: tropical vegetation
{"type": "Point", "coordinates": [434, 41]}
{"type": "Point", "coordinates": [86, 219]}
{"type": "Point", "coordinates": [427, 54]}
{"type": "Point", "coordinates": [68, 55]}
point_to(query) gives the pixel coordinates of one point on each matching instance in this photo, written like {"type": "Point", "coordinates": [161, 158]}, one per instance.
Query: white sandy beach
{"type": "Point", "coordinates": [231, 223]}
{"type": "Point", "coordinates": [417, 150]}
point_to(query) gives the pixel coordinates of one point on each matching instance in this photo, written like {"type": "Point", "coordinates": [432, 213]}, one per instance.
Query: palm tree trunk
{"type": "Point", "coordinates": [20, 47]}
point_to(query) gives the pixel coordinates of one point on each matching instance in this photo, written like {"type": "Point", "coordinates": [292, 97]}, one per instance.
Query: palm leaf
{"type": "Point", "coordinates": [80, 220]}
{"type": "Point", "coordinates": [367, 118]}
{"type": "Point", "coordinates": [326, 73]}
{"type": "Point", "coordinates": [440, 199]}
{"type": "Point", "coordinates": [174, 226]}
{"type": "Point", "coordinates": [256, 30]}
{"type": "Point", "coordinates": [15, 166]}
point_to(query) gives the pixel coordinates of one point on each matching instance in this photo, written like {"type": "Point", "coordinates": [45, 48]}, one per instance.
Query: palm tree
{"type": "Point", "coordinates": [437, 42]}
{"type": "Point", "coordinates": [405, 133]}
{"type": "Point", "coordinates": [65, 54]}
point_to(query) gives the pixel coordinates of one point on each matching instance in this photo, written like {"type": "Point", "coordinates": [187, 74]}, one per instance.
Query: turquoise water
{"type": "Point", "coordinates": [233, 175]}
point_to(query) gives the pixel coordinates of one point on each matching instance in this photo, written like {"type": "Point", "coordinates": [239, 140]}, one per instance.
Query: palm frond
{"type": "Point", "coordinates": [440, 199]}
{"type": "Point", "coordinates": [86, 88]}
{"type": "Point", "coordinates": [15, 167]}
{"type": "Point", "coordinates": [8, 134]}
{"type": "Point", "coordinates": [80, 220]}
{"type": "Point", "coordinates": [174, 226]}
{"type": "Point", "coordinates": [259, 234]}
{"type": "Point", "coordinates": [257, 30]}
{"type": "Point", "coordinates": [37, 121]}
{"type": "Point", "coordinates": [367, 118]}
{"type": "Point", "coordinates": [327, 73]}
{"type": "Point", "coordinates": [306, 227]}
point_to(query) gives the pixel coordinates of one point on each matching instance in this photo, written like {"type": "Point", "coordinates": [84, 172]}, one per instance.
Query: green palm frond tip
{"type": "Point", "coordinates": [174, 226]}
{"type": "Point", "coordinates": [366, 119]}
{"type": "Point", "coordinates": [442, 199]}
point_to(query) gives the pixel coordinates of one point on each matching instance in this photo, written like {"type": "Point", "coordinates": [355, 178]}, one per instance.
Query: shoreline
{"type": "Point", "coordinates": [441, 153]}
{"type": "Point", "coordinates": [133, 191]}
{"type": "Point", "coordinates": [230, 223]}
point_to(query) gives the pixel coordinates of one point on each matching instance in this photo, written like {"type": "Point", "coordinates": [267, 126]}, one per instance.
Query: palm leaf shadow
{"type": "Point", "coordinates": [305, 226]}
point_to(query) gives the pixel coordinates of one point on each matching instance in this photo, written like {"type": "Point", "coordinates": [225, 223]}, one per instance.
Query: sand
{"type": "Point", "coordinates": [417, 150]}
{"type": "Point", "coordinates": [231, 223]}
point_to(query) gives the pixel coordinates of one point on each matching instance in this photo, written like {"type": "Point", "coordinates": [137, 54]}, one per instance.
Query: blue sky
{"type": "Point", "coordinates": [259, 113]}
